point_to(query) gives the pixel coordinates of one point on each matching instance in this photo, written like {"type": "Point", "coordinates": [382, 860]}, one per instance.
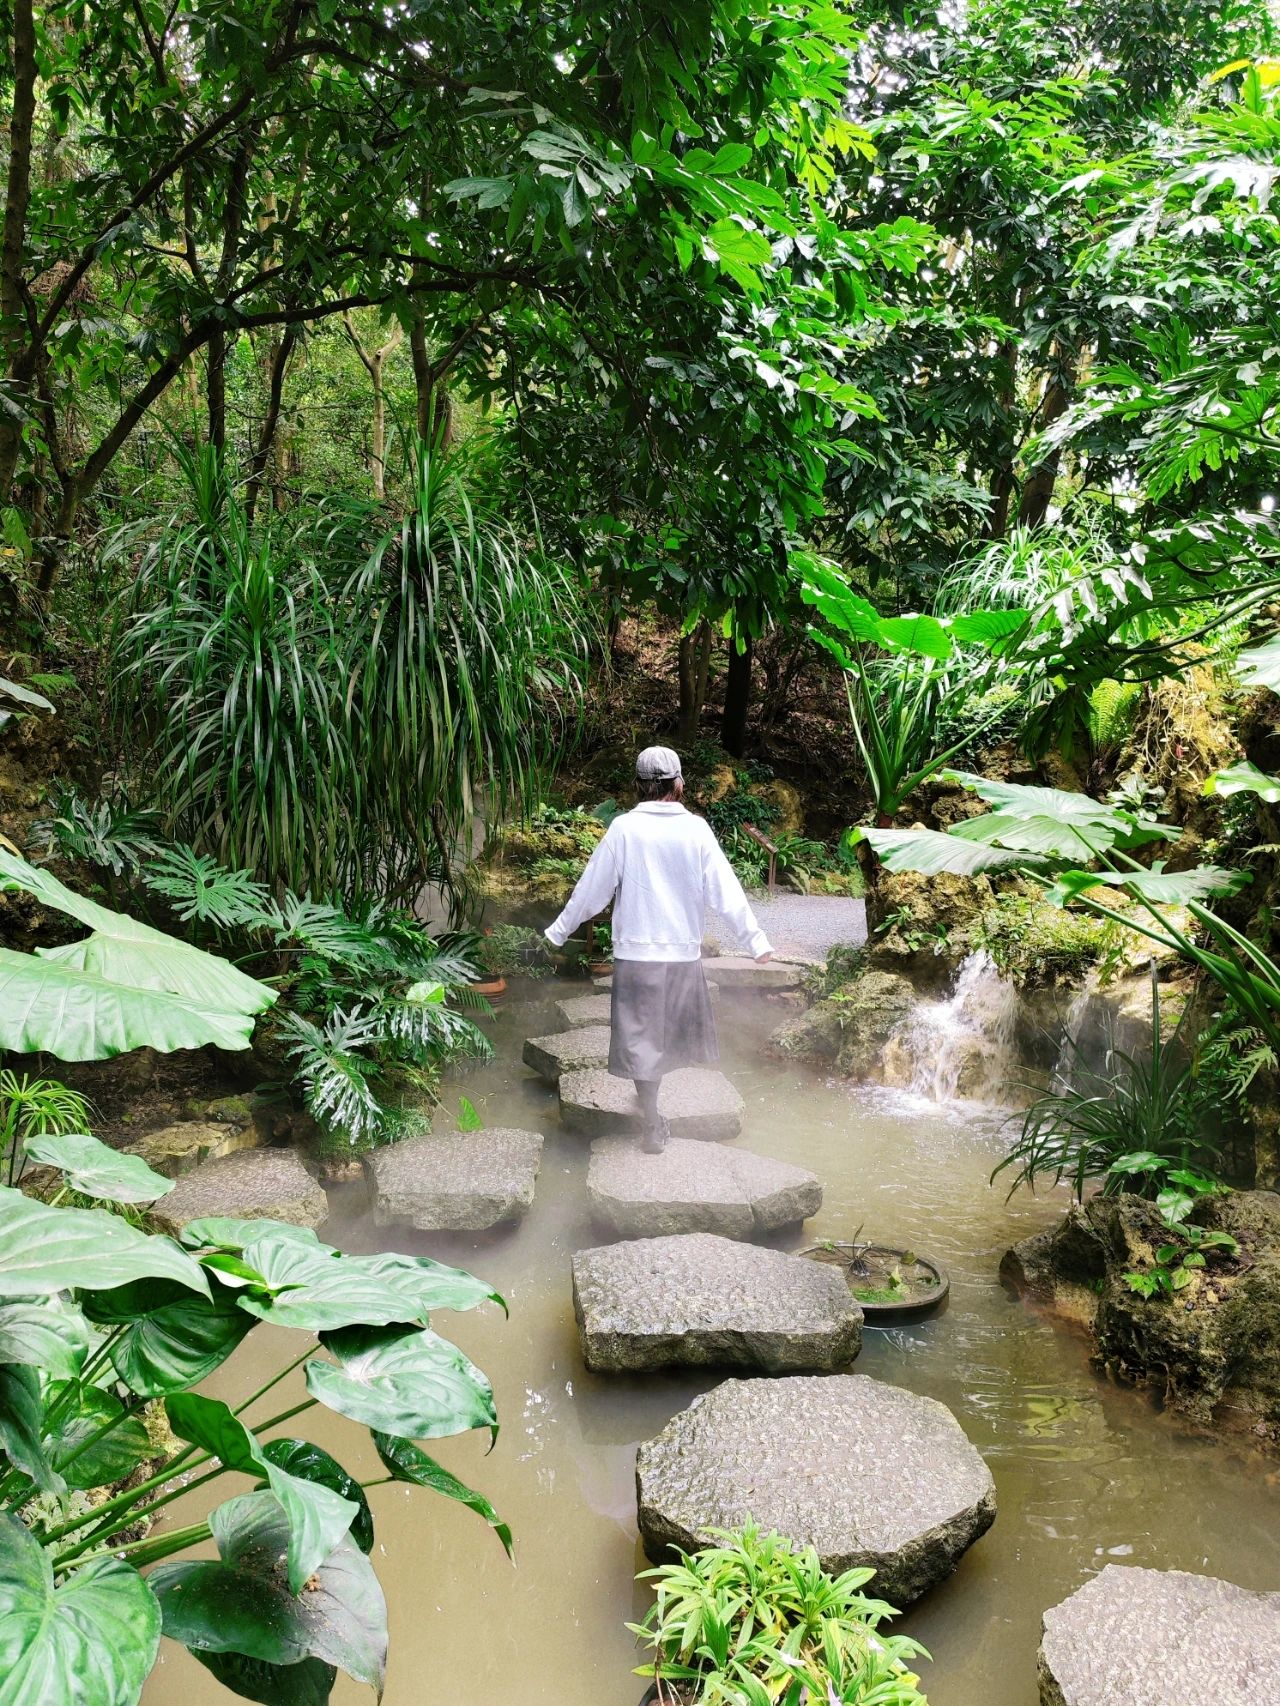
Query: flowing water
{"type": "Point", "coordinates": [1085, 1473]}
{"type": "Point", "coordinates": [960, 1046]}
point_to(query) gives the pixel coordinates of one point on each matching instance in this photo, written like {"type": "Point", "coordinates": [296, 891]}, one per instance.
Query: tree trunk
{"type": "Point", "coordinates": [216, 389]}
{"type": "Point", "coordinates": [20, 357]}
{"type": "Point", "coordinates": [277, 368]}
{"type": "Point", "coordinates": [1002, 481]}
{"type": "Point", "coordinates": [693, 663]}
{"type": "Point", "coordinates": [737, 698]}
{"type": "Point", "coordinates": [1038, 490]}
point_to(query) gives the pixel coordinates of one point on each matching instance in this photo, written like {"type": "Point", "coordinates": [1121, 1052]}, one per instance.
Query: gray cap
{"type": "Point", "coordinates": [658, 764]}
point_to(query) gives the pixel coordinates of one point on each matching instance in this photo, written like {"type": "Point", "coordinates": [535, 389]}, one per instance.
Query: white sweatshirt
{"type": "Point", "coordinates": [665, 867]}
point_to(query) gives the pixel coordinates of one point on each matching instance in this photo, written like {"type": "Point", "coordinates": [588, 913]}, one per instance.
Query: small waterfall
{"type": "Point", "coordinates": [963, 1046]}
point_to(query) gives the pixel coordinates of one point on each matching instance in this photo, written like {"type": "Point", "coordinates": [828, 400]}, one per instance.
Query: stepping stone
{"type": "Point", "coordinates": [697, 1101]}
{"type": "Point", "coordinates": [583, 1050]}
{"type": "Point", "coordinates": [254, 1184]}
{"type": "Point", "coordinates": [695, 1187]}
{"type": "Point", "coordinates": [737, 971]}
{"type": "Point", "coordinates": [584, 1010]}
{"type": "Point", "coordinates": [698, 1300]}
{"type": "Point", "coordinates": [870, 1476]}
{"type": "Point", "coordinates": [1136, 1637]}
{"type": "Point", "coordinates": [454, 1181]}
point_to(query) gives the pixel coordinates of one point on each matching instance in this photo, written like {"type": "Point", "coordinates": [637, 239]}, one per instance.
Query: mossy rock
{"type": "Point", "coordinates": [815, 1034]}
{"type": "Point", "coordinates": [871, 1009]}
{"type": "Point", "coordinates": [924, 924]}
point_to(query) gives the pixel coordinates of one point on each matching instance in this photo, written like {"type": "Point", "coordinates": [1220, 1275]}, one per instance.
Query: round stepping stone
{"type": "Point", "coordinates": [698, 1300]}
{"type": "Point", "coordinates": [870, 1476]}
{"type": "Point", "coordinates": [737, 971]}
{"type": "Point", "coordinates": [583, 1050]}
{"type": "Point", "coordinates": [584, 1010]}
{"type": "Point", "coordinates": [454, 1181]}
{"type": "Point", "coordinates": [698, 1103]}
{"type": "Point", "coordinates": [1136, 1637]}
{"type": "Point", "coordinates": [253, 1184]}
{"type": "Point", "coordinates": [695, 1187]}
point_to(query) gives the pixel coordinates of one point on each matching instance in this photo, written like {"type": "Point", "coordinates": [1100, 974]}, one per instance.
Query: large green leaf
{"type": "Point", "coordinates": [21, 1426]}
{"type": "Point", "coordinates": [1019, 800]}
{"type": "Point", "coordinates": [307, 1683]}
{"type": "Point", "coordinates": [1175, 888]}
{"type": "Point", "coordinates": [318, 1516]}
{"type": "Point", "coordinates": [45, 1249]}
{"type": "Point", "coordinates": [1244, 779]}
{"type": "Point", "coordinates": [408, 1382]}
{"type": "Point", "coordinates": [92, 1641]}
{"type": "Point", "coordinates": [1055, 838]}
{"type": "Point", "coordinates": [95, 1170]}
{"type": "Point", "coordinates": [407, 1463]}
{"type": "Point", "coordinates": [929, 851]}
{"type": "Point", "coordinates": [50, 1333]}
{"type": "Point", "coordinates": [224, 1232]}
{"type": "Point", "coordinates": [300, 1457]}
{"type": "Point", "coordinates": [179, 1344]}
{"type": "Point", "coordinates": [243, 1604]}
{"type": "Point", "coordinates": [95, 1440]}
{"type": "Point", "coordinates": [429, 1285]}
{"type": "Point", "coordinates": [1259, 666]}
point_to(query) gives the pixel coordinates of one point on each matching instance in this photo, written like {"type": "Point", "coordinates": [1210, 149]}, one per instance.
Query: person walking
{"type": "Point", "coordinates": [662, 868]}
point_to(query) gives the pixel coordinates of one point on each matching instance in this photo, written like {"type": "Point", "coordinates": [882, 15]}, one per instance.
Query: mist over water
{"type": "Point", "coordinates": [1085, 1473]}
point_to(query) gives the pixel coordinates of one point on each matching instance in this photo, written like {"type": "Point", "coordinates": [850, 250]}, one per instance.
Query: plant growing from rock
{"type": "Point", "coordinates": [751, 1621]}
{"type": "Point", "coordinates": [1188, 1245]}
{"type": "Point", "coordinates": [101, 1325]}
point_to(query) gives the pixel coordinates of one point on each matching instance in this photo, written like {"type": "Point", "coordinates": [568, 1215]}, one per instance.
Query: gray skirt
{"type": "Point", "coordinates": [660, 1018]}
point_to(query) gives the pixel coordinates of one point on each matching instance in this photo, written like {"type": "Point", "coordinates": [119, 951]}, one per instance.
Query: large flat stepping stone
{"type": "Point", "coordinates": [454, 1181]}
{"type": "Point", "coordinates": [699, 1300]}
{"type": "Point", "coordinates": [254, 1184]}
{"type": "Point", "coordinates": [737, 971]}
{"type": "Point", "coordinates": [695, 1187]}
{"type": "Point", "coordinates": [870, 1476]}
{"type": "Point", "coordinates": [584, 1050]}
{"type": "Point", "coordinates": [697, 1101]}
{"type": "Point", "coordinates": [1137, 1637]}
{"type": "Point", "coordinates": [584, 1011]}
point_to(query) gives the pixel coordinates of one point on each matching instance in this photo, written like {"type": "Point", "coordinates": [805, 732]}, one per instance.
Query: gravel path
{"type": "Point", "coordinates": [807, 924]}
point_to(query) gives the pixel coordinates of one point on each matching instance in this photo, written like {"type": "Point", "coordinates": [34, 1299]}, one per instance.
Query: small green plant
{"type": "Point", "coordinates": [600, 942]}
{"type": "Point", "coordinates": [107, 834]}
{"type": "Point", "coordinates": [34, 1108]}
{"type": "Point", "coordinates": [1186, 1250]}
{"type": "Point", "coordinates": [468, 1115]}
{"type": "Point", "coordinates": [512, 948]}
{"type": "Point", "coordinates": [752, 1621]}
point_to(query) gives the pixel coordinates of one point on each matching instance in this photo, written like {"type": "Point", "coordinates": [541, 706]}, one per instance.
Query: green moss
{"type": "Point", "coordinates": [1032, 942]}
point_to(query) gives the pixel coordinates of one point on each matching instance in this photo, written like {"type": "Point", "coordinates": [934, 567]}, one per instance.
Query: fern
{"type": "Point", "coordinates": [198, 887]}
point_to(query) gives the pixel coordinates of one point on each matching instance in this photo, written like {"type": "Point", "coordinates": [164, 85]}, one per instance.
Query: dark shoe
{"type": "Point", "coordinates": [654, 1138]}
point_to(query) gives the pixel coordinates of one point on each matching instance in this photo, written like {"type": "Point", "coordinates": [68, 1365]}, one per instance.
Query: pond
{"type": "Point", "coordinates": [1085, 1472]}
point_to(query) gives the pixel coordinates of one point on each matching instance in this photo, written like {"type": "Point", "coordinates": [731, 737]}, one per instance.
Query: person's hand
{"type": "Point", "coordinates": [763, 959]}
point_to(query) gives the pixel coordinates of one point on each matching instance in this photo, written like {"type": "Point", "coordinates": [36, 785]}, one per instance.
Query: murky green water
{"type": "Point", "coordinates": [1084, 1472]}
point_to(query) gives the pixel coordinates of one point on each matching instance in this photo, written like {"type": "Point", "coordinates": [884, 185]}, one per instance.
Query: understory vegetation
{"type": "Point", "coordinates": [406, 414]}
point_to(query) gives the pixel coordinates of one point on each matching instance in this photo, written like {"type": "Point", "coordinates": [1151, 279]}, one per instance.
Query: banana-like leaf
{"type": "Point", "coordinates": [242, 1604]}
{"type": "Point", "coordinates": [1174, 888]}
{"type": "Point", "coordinates": [1244, 779]}
{"type": "Point", "coordinates": [408, 1382]}
{"type": "Point", "coordinates": [931, 852]}
{"type": "Point", "coordinates": [1018, 800]}
{"type": "Point", "coordinates": [93, 1640]}
{"type": "Point", "coordinates": [49, 1333]}
{"type": "Point", "coordinates": [318, 1516]}
{"type": "Point", "coordinates": [122, 986]}
{"type": "Point", "coordinates": [1259, 666]}
{"type": "Point", "coordinates": [407, 1463]}
{"type": "Point", "coordinates": [44, 1249]}
{"type": "Point", "coordinates": [96, 1170]}
{"type": "Point", "coordinates": [1056, 838]}
{"type": "Point", "coordinates": [431, 1285]}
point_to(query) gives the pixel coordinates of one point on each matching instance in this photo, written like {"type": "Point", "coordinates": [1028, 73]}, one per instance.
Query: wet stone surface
{"type": "Point", "coordinates": [1137, 1637]}
{"type": "Point", "coordinates": [737, 971]}
{"type": "Point", "coordinates": [871, 1476]}
{"type": "Point", "coordinates": [582, 1050]}
{"type": "Point", "coordinates": [699, 1300]}
{"type": "Point", "coordinates": [697, 1101]}
{"type": "Point", "coordinates": [584, 1010]}
{"type": "Point", "coordinates": [695, 1187]}
{"type": "Point", "coordinates": [454, 1181]}
{"type": "Point", "coordinates": [270, 1184]}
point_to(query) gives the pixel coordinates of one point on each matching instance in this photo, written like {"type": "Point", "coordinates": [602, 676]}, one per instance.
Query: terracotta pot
{"type": "Point", "coordinates": [492, 987]}
{"type": "Point", "coordinates": [600, 968]}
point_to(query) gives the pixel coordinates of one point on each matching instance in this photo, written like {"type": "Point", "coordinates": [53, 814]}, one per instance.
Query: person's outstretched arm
{"type": "Point", "coordinates": [593, 891]}
{"type": "Point", "coordinates": [724, 894]}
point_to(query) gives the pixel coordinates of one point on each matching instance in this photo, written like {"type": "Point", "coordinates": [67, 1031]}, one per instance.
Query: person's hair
{"type": "Point", "coordinates": [659, 787]}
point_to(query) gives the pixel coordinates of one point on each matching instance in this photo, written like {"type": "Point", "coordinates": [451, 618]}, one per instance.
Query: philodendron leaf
{"type": "Point", "coordinates": [178, 1345]}
{"type": "Point", "coordinates": [1174, 888]}
{"type": "Point", "coordinates": [95, 1440]}
{"type": "Point", "coordinates": [308, 1683]}
{"type": "Point", "coordinates": [243, 1603]}
{"type": "Point", "coordinates": [1259, 666]}
{"type": "Point", "coordinates": [408, 1382]}
{"type": "Point", "coordinates": [92, 1640]}
{"type": "Point", "coordinates": [1056, 838]}
{"type": "Point", "coordinates": [929, 851]}
{"type": "Point", "coordinates": [50, 1333]}
{"type": "Point", "coordinates": [318, 1517]}
{"type": "Point", "coordinates": [96, 1170]}
{"type": "Point", "coordinates": [1244, 779]}
{"type": "Point", "coordinates": [45, 1249]}
{"type": "Point", "coordinates": [429, 1285]}
{"type": "Point", "coordinates": [299, 1457]}
{"type": "Point", "coordinates": [407, 1463]}
{"type": "Point", "coordinates": [21, 1419]}
{"type": "Point", "coordinates": [224, 1232]}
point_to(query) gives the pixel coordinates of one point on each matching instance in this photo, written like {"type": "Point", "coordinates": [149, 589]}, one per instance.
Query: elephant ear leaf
{"type": "Point", "coordinates": [92, 1640]}
{"type": "Point", "coordinates": [243, 1604]}
{"type": "Point", "coordinates": [21, 1419]}
{"type": "Point", "coordinates": [308, 1683]}
{"type": "Point", "coordinates": [96, 1170]}
{"type": "Point", "coordinates": [408, 1463]}
{"type": "Point", "coordinates": [45, 1249]}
